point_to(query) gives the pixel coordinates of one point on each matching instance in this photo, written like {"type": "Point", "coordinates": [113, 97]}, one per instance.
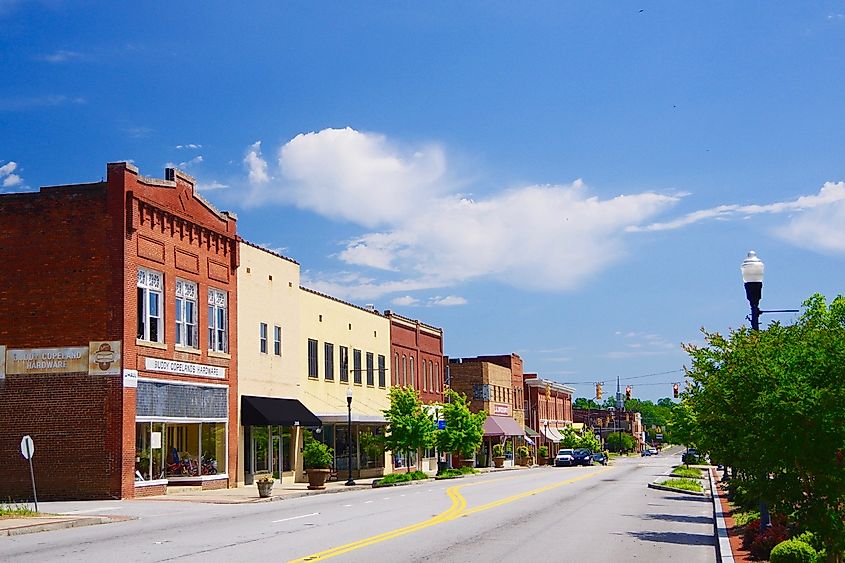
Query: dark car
{"type": "Point", "coordinates": [600, 457]}
{"type": "Point", "coordinates": [690, 456]}
{"type": "Point", "coordinates": [582, 456]}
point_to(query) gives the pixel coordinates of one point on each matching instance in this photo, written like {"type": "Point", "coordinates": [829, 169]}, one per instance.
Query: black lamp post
{"type": "Point", "coordinates": [349, 481]}
{"type": "Point", "coordinates": [752, 276]}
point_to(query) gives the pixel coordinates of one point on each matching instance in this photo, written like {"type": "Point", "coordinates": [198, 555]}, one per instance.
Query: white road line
{"type": "Point", "coordinates": [347, 505]}
{"type": "Point", "coordinates": [92, 510]}
{"type": "Point", "coordinates": [295, 517]}
{"type": "Point", "coordinates": [367, 501]}
{"type": "Point", "coordinates": [386, 498]}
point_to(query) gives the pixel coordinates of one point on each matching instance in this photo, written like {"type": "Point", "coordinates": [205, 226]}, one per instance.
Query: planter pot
{"type": "Point", "coordinates": [264, 488]}
{"type": "Point", "coordinates": [317, 478]}
{"type": "Point", "coordinates": [542, 461]}
{"type": "Point", "coordinates": [499, 461]}
{"type": "Point", "coordinates": [468, 462]}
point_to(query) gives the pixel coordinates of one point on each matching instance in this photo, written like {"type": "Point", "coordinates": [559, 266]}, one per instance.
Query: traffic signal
{"type": "Point", "coordinates": [628, 393]}
{"type": "Point", "coordinates": [598, 391]}
{"type": "Point", "coordinates": [675, 389]}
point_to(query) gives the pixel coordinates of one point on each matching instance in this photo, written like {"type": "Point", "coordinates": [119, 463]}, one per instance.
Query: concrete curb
{"type": "Point", "coordinates": [674, 490]}
{"type": "Point", "coordinates": [59, 524]}
{"type": "Point", "coordinates": [720, 529]}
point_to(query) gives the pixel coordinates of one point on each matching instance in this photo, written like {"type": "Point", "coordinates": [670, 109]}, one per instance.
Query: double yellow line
{"type": "Point", "coordinates": [457, 510]}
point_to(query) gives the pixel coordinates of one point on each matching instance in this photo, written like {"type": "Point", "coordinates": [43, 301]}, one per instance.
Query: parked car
{"type": "Point", "coordinates": [646, 453]}
{"type": "Point", "coordinates": [652, 451]}
{"type": "Point", "coordinates": [600, 457]}
{"type": "Point", "coordinates": [690, 456]}
{"type": "Point", "coordinates": [564, 457]}
{"type": "Point", "coordinates": [582, 456]}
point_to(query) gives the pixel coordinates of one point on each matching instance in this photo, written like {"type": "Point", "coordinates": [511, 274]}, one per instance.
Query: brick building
{"type": "Point", "coordinates": [490, 384]}
{"type": "Point", "coordinates": [549, 407]}
{"type": "Point", "coordinates": [118, 300]}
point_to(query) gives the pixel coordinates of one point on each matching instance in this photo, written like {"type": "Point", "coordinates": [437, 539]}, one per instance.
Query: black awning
{"type": "Point", "coordinates": [271, 411]}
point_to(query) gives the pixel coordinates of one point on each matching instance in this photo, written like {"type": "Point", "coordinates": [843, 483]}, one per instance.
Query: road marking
{"type": "Point", "coordinates": [347, 505]}
{"type": "Point", "coordinates": [456, 510]}
{"type": "Point", "coordinates": [92, 510]}
{"type": "Point", "coordinates": [367, 501]}
{"type": "Point", "coordinates": [295, 517]}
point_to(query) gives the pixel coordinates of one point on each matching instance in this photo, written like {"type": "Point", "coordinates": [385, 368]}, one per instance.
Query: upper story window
{"type": "Point", "coordinates": [394, 377]}
{"type": "Point", "coordinates": [381, 371]}
{"type": "Point", "coordinates": [186, 314]}
{"type": "Point", "coordinates": [412, 381]}
{"type": "Point", "coordinates": [218, 320]}
{"type": "Point", "coordinates": [404, 371]}
{"type": "Point", "coordinates": [329, 359]}
{"type": "Point", "coordinates": [277, 340]}
{"type": "Point", "coordinates": [356, 366]}
{"type": "Point", "coordinates": [370, 367]}
{"type": "Point", "coordinates": [343, 352]}
{"type": "Point", "coordinates": [312, 358]}
{"type": "Point", "coordinates": [149, 306]}
{"type": "Point", "coordinates": [262, 338]}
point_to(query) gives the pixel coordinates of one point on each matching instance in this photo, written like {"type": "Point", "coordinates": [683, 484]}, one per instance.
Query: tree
{"type": "Point", "coordinates": [409, 426]}
{"type": "Point", "coordinates": [619, 442]}
{"type": "Point", "coordinates": [582, 403]}
{"type": "Point", "coordinates": [771, 404]}
{"type": "Point", "coordinates": [464, 430]}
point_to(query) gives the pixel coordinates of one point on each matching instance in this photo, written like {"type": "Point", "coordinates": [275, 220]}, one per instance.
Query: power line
{"type": "Point", "coordinates": [628, 378]}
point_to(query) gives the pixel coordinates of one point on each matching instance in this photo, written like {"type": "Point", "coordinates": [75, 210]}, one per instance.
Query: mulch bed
{"type": "Point", "coordinates": [734, 533]}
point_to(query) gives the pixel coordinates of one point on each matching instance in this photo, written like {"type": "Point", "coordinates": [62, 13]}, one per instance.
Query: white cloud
{"type": "Point", "coordinates": [61, 56]}
{"type": "Point", "coordinates": [551, 237]}
{"type": "Point", "coordinates": [192, 162]}
{"type": "Point", "coordinates": [820, 229]}
{"type": "Point", "coordinates": [189, 146]}
{"type": "Point", "coordinates": [448, 301]}
{"type": "Point", "coordinates": [256, 165]}
{"type": "Point", "coordinates": [211, 186]}
{"type": "Point", "coordinates": [405, 301]}
{"type": "Point", "coordinates": [8, 178]}
{"type": "Point", "coordinates": [830, 193]}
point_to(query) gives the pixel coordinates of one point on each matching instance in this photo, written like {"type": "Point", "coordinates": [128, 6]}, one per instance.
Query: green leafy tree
{"type": "Point", "coordinates": [771, 404]}
{"type": "Point", "coordinates": [583, 403]}
{"type": "Point", "coordinates": [619, 442]}
{"type": "Point", "coordinates": [409, 426]}
{"type": "Point", "coordinates": [464, 430]}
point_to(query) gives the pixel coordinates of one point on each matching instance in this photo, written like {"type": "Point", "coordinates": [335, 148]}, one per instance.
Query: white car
{"type": "Point", "coordinates": [564, 457]}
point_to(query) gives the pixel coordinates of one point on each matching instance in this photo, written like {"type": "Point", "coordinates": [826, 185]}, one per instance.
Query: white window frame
{"type": "Point", "coordinates": [277, 340]}
{"type": "Point", "coordinates": [262, 338]}
{"type": "Point", "coordinates": [186, 328]}
{"type": "Point", "coordinates": [151, 284]}
{"type": "Point", "coordinates": [218, 320]}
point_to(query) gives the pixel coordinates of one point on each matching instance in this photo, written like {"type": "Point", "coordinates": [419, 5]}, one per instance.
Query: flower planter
{"type": "Point", "coordinates": [499, 461]}
{"type": "Point", "coordinates": [317, 478]}
{"type": "Point", "coordinates": [264, 488]}
{"type": "Point", "coordinates": [542, 461]}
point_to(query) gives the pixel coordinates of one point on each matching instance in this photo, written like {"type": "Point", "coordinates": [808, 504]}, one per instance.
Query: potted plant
{"type": "Point", "coordinates": [498, 455]}
{"type": "Point", "coordinates": [317, 458]}
{"type": "Point", "coordinates": [542, 455]}
{"type": "Point", "coordinates": [264, 482]}
{"type": "Point", "coordinates": [523, 455]}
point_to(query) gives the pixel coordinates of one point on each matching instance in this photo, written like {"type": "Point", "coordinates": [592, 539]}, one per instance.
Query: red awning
{"type": "Point", "coordinates": [502, 426]}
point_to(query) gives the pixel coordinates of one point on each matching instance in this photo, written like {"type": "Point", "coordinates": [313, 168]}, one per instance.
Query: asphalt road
{"type": "Point", "coordinates": [542, 514]}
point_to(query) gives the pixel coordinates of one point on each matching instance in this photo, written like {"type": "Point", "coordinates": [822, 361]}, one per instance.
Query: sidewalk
{"type": "Point", "coordinates": [47, 522]}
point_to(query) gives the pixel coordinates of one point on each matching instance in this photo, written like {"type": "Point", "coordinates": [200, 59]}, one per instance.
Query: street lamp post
{"type": "Point", "coordinates": [349, 481]}
{"type": "Point", "coordinates": [752, 277]}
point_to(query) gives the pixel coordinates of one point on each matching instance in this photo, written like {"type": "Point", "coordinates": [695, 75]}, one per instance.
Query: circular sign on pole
{"type": "Point", "coordinates": [27, 447]}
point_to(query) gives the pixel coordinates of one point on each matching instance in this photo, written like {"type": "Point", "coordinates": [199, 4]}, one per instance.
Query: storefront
{"type": "Point", "coordinates": [364, 441]}
{"type": "Point", "coordinates": [181, 432]}
{"type": "Point", "coordinates": [273, 432]}
{"type": "Point", "coordinates": [500, 430]}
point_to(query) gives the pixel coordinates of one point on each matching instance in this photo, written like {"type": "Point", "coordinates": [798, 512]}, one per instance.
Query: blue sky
{"type": "Point", "coordinates": [574, 182]}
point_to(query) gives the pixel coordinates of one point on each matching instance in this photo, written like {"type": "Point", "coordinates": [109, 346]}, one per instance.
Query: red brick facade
{"type": "Point", "coordinates": [70, 257]}
{"type": "Point", "coordinates": [416, 351]}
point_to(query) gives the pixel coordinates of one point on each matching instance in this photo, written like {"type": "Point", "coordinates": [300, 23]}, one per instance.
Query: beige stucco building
{"type": "Point", "coordinates": [346, 348]}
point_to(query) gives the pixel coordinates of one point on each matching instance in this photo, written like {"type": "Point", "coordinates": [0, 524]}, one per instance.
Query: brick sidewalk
{"type": "Point", "coordinates": [739, 555]}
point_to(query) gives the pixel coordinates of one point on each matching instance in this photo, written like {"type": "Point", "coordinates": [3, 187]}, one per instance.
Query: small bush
{"type": "Point", "coordinates": [523, 451]}
{"type": "Point", "coordinates": [543, 451]}
{"type": "Point", "coordinates": [689, 472]}
{"type": "Point", "coordinates": [498, 450]}
{"type": "Point", "coordinates": [762, 546]}
{"type": "Point", "coordinates": [15, 510]}
{"type": "Point", "coordinates": [455, 472]}
{"type": "Point", "coordinates": [684, 484]}
{"type": "Point", "coordinates": [743, 518]}
{"type": "Point", "coordinates": [793, 551]}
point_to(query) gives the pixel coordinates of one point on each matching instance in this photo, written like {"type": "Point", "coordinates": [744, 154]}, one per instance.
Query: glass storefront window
{"type": "Point", "coordinates": [261, 448]}
{"type": "Point", "coordinates": [372, 451]}
{"type": "Point", "coordinates": [143, 451]}
{"type": "Point", "coordinates": [213, 436]}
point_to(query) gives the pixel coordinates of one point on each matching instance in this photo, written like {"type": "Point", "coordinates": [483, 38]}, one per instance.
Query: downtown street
{"type": "Point", "coordinates": [554, 514]}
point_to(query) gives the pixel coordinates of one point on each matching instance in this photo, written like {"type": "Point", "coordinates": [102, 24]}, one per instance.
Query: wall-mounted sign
{"type": "Point", "coordinates": [2, 362]}
{"type": "Point", "coordinates": [155, 440]}
{"type": "Point", "coordinates": [504, 410]}
{"type": "Point", "coordinates": [104, 358]}
{"type": "Point", "coordinates": [47, 360]}
{"type": "Point", "coordinates": [184, 368]}
{"type": "Point", "coordinates": [130, 378]}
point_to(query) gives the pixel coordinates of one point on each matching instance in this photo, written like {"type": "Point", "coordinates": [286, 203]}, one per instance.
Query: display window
{"type": "Point", "coordinates": [168, 450]}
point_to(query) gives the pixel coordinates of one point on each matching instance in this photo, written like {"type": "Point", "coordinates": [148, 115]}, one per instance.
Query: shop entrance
{"type": "Point", "coordinates": [271, 451]}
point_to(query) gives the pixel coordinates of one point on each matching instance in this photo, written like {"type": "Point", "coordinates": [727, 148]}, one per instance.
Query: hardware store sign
{"type": "Point", "coordinates": [184, 368]}
{"type": "Point", "coordinates": [47, 360]}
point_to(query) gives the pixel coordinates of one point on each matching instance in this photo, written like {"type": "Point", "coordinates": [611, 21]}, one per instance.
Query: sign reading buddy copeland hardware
{"type": "Point", "coordinates": [184, 368]}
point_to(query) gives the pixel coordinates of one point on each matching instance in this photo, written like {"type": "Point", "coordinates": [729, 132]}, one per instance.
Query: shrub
{"type": "Point", "coordinates": [317, 455]}
{"type": "Point", "coordinates": [684, 484]}
{"type": "Point", "coordinates": [743, 518]}
{"type": "Point", "coordinates": [751, 534]}
{"type": "Point", "coordinates": [455, 472]}
{"type": "Point", "coordinates": [543, 451]}
{"type": "Point", "coordinates": [498, 450]}
{"type": "Point", "coordinates": [793, 551]}
{"type": "Point", "coordinates": [689, 472]}
{"type": "Point", "coordinates": [523, 451]}
{"type": "Point", "coordinates": [762, 546]}
{"type": "Point", "coordinates": [15, 509]}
